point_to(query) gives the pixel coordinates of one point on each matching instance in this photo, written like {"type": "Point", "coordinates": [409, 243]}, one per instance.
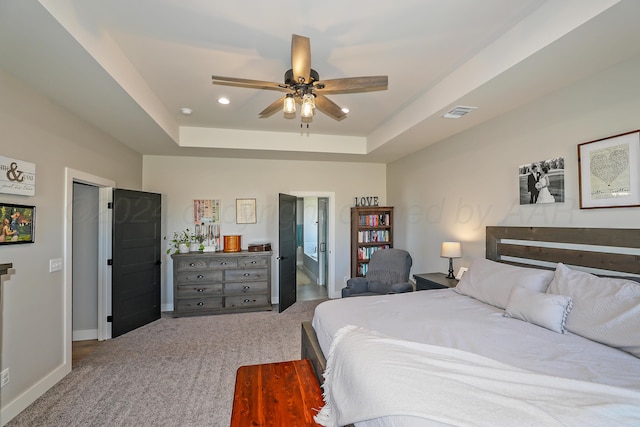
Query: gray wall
{"type": "Point", "coordinates": [228, 179]}
{"type": "Point", "coordinates": [33, 321]}
{"type": "Point", "coordinates": [454, 189]}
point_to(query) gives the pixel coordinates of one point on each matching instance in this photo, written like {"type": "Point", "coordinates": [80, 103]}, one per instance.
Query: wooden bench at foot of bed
{"type": "Point", "coordinates": [276, 394]}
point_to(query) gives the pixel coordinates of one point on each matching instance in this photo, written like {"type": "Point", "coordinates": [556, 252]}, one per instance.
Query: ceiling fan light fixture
{"type": "Point", "coordinates": [308, 105]}
{"type": "Point", "coordinates": [289, 104]}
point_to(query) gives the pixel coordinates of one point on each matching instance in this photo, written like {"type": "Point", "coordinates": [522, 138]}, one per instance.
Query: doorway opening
{"type": "Point", "coordinates": [312, 264]}
{"type": "Point", "coordinates": [100, 226]}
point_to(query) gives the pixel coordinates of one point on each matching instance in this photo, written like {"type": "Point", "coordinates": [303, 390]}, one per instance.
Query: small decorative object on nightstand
{"type": "Point", "coordinates": [451, 250]}
{"type": "Point", "coordinates": [427, 281]}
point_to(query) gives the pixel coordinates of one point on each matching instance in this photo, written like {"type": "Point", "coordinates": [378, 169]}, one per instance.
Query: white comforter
{"type": "Point", "coordinates": [371, 376]}
{"type": "Point", "coordinates": [448, 319]}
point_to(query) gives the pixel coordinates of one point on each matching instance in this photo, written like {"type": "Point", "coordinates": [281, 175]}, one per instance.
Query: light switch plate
{"type": "Point", "coordinates": [55, 265]}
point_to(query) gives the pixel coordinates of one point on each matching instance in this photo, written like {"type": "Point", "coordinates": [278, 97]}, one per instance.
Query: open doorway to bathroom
{"type": "Point", "coordinates": [311, 248]}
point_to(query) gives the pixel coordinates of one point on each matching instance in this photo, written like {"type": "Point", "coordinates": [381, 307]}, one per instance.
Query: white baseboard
{"type": "Point", "coordinates": [87, 334]}
{"type": "Point", "coordinates": [20, 403]}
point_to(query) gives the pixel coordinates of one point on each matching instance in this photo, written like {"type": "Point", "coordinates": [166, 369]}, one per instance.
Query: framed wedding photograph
{"type": "Point", "coordinates": [541, 181]}
{"type": "Point", "coordinates": [608, 171]}
{"type": "Point", "coordinates": [246, 211]}
{"type": "Point", "coordinates": [17, 223]}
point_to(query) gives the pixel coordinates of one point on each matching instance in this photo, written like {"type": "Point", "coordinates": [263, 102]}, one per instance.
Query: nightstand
{"type": "Point", "coordinates": [426, 281]}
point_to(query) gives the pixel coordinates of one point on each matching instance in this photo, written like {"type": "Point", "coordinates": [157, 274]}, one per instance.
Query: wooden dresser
{"type": "Point", "coordinates": [221, 282]}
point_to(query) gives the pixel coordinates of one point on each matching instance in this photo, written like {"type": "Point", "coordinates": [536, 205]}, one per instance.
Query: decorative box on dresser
{"type": "Point", "coordinates": [221, 282]}
{"type": "Point", "coordinates": [371, 230]}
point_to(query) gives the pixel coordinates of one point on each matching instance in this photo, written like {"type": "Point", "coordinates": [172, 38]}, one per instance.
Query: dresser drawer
{"type": "Point", "coordinates": [222, 263]}
{"type": "Point", "coordinates": [249, 274]}
{"type": "Point", "coordinates": [199, 291]}
{"type": "Point", "coordinates": [253, 261]}
{"type": "Point", "coordinates": [199, 276]}
{"type": "Point", "coordinates": [243, 288]}
{"type": "Point", "coordinates": [246, 300]}
{"type": "Point", "coordinates": [190, 264]}
{"type": "Point", "coordinates": [195, 304]}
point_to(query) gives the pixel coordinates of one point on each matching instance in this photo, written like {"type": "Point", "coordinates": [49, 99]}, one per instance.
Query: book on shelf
{"type": "Point", "coordinates": [364, 253]}
{"type": "Point", "coordinates": [378, 220]}
{"type": "Point", "coordinates": [369, 236]}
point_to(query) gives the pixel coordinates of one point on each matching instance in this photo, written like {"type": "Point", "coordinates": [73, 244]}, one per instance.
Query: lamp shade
{"type": "Point", "coordinates": [451, 250]}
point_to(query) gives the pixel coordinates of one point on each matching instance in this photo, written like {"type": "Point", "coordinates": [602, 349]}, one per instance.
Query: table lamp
{"type": "Point", "coordinates": [451, 250]}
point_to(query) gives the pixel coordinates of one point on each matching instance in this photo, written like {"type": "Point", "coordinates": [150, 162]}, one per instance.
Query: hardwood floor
{"type": "Point", "coordinates": [81, 349]}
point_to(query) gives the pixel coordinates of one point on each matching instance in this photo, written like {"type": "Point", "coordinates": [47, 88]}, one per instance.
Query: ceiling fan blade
{"type": "Point", "coordinates": [301, 57]}
{"type": "Point", "coordinates": [275, 106]}
{"type": "Point", "coordinates": [354, 84]}
{"type": "Point", "coordinates": [329, 107]}
{"type": "Point", "coordinates": [248, 83]}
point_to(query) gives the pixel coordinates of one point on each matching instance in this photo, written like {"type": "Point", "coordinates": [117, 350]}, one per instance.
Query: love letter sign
{"type": "Point", "coordinates": [367, 201]}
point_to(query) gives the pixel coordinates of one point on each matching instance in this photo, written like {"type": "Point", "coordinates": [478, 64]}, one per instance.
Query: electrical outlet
{"type": "Point", "coordinates": [4, 378]}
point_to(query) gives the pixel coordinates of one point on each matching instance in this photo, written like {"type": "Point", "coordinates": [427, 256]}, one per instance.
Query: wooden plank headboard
{"type": "Point", "coordinates": [590, 257]}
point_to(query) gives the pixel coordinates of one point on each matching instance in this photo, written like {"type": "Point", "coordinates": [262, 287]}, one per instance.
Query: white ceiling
{"type": "Point", "coordinates": [128, 67]}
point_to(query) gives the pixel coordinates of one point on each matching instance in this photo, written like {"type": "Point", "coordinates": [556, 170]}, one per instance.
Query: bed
{"type": "Point", "coordinates": [566, 342]}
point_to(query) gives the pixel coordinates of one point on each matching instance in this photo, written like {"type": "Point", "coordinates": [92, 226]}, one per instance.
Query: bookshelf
{"type": "Point", "coordinates": [371, 230]}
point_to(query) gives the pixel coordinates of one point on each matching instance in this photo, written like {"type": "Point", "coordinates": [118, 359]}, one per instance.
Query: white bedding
{"type": "Point", "coordinates": [446, 318]}
{"type": "Point", "coordinates": [370, 375]}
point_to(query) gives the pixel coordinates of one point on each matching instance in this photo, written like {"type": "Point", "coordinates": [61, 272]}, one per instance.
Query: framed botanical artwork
{"type": "Point", "coordinates": [246, 211]}
{"type": "Point", "coordinates": [609, 175]}
{"type": "Point", "coordinates": [17, 223]}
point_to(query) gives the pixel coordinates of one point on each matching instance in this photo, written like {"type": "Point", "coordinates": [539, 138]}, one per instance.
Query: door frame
{"type": "Point", "coordinates": [105, 187]}
{"type": "Point", "coordinates": [332, 293]}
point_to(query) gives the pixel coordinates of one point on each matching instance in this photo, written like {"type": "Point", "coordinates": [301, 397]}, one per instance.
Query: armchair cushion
{"type": "Point", "coordinates": [388, 274]}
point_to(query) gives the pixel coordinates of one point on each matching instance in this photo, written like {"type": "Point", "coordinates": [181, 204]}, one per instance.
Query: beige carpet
{"type": "Point", "coordinates": [173, 372]}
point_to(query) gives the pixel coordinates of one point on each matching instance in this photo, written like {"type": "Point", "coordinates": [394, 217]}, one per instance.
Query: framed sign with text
{"type": "Point", "coordinates": [17, 177]}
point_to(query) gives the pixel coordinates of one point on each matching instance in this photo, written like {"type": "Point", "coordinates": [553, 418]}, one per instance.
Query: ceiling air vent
{"type": "Point", "coordinates": [458, 112]}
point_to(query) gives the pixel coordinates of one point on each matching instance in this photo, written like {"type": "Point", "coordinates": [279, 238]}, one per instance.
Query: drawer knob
{"type": "Point", "coordinates": [200, 276]}
{"type": "Point", "coordinates": [253, 262]}
{"type": "Point", "coordinates": [246, 288]}
{"type": "Point", "coordinates": [192, 264]}
{"type": "Point", "coordinates": [200, 304]}
{"type": "Point", "coordinates": [246, 300]}
{"type": "Point", "coordinates": [223, 263]}
{"type": "Point", "coordinates": [200, 290]}
{"type": "Point", "coordinates": [247, 274]}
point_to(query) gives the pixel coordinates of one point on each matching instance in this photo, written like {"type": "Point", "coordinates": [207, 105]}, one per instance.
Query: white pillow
{"type": "Point", "coordinates": [606, 310]}
{"type": "Point", "coordinates": [547, 310]}
{"type": "Point", "coordinates": [491, 282]}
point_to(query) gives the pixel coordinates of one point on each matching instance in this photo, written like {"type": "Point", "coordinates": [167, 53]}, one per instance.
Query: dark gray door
{"type": "Point", "coordinates": [287, 251]}
{"type": "Point", "coordinates": [136, 260]}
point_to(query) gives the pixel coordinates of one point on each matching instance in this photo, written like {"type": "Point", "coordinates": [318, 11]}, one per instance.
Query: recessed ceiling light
{"type": "Point", "coordinates": [223, 101]}
{"type": "Point", "coordinates": [186, 111]}
{"type": "Point", "coordinates": [345, 110]}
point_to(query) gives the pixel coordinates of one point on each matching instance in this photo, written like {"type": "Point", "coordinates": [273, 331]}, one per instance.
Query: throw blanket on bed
{"type": "Point", "coordinates": [369, 375]}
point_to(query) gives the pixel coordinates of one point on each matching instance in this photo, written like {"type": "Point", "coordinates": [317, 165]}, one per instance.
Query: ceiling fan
{"type": "Point", "coordinates": [303, 86]}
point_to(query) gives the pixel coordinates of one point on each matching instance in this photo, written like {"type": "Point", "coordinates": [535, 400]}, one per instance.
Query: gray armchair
{"type": "Point", "coordinates": [388, 273]}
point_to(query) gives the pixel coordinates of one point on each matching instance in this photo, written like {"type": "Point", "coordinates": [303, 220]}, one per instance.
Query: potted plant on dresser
{"type": "Point", "coordinates": [180, 242]}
